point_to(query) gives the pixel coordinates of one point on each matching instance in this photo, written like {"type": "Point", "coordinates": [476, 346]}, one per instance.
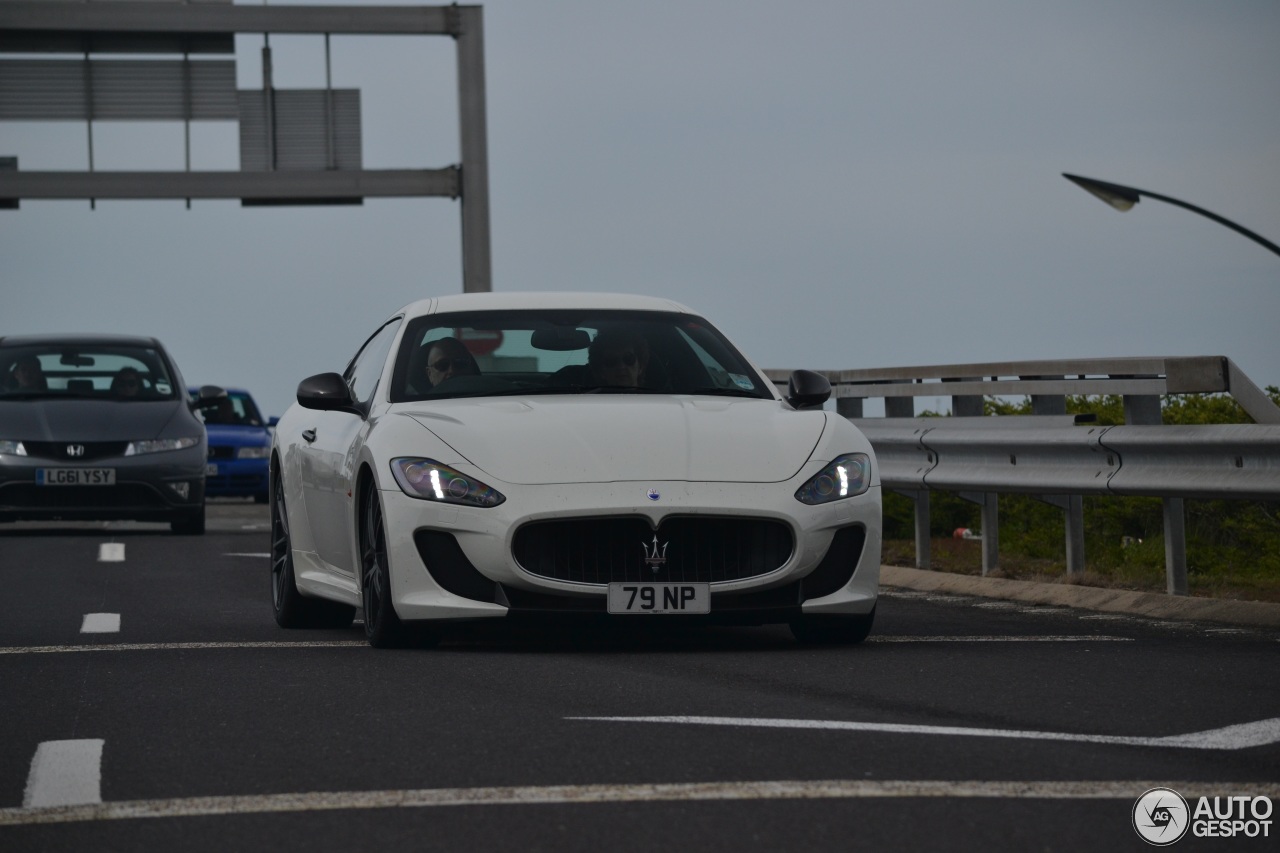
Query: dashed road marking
{"type": "Point", "coordinates": [263, 554]}
{"type": "Point", "coordinates": [593, 794]}
{"type": "Point", "coordinates": [100, 623]}
{"type": "Point", "coordinates": [111, 552]}
{"type": "Point", "coordinates": [1243, 736]}
{"type": "Point", "coordinates": [65, 773]}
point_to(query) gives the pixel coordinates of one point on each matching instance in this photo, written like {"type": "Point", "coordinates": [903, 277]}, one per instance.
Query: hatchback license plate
{"type": "Point", "coordinates": [659, 598]}
{"type": "Point", "coordinates": [75, 476]}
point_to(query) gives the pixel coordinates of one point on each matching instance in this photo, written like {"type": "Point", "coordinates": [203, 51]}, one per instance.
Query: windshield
{"type": "Point", "coordinates": [99, 371]}
{"type": "Point", "coordinates": [235, 409]}
{"type": "Point", "coordinates": [494, 353]}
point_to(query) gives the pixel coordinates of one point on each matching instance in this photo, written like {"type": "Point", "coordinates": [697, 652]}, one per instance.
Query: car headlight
{"type": "Point", "coordinates": [253, 452]}
{"type": "Point", "coordinates": [159, 445]}
{"type": "Point", "coordinates": [12, 448]}
{"type": "Point", "coordinates": [844, 477]}
{"type": "Point", "coordinates": [429, 480]}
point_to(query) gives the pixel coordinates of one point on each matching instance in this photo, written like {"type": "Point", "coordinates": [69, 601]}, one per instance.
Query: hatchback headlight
{"type": "Point", "coordinates": [844, 477]}
{"type": "Point", "coordinates": [253, 452]}
{"type": "Point", "coordinates": [429, 480]}
{"type": "Point", "coordinates": [159, 445]}
{"type": "Point", "coordinates": [12, 448]}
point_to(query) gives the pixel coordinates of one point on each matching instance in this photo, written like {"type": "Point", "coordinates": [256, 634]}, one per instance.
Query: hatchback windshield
{"type": "Point", "coordinates": [559, 352]}
{"type": "Point", "coordinates": [100, 371]}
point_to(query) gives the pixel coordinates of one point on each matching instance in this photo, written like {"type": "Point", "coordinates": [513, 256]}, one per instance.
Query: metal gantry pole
{"type": "Point", "coordinates": [477, 274]}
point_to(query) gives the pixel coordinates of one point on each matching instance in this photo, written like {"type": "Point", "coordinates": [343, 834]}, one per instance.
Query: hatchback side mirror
{"type": "Point", "coordinates": [806, 389]}
{"type": "Point", "coordinates": [327, 392]}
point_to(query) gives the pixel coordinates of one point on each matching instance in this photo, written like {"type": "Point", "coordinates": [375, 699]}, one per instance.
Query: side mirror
{"type": "Point", "coordinates": [327, 392]}
{"type": "Point", "coordinates": [806, 389]}
{"type": "Point", "coordinates": [208, 396]}
{"type": "Point", "coordinates": [273, 421]}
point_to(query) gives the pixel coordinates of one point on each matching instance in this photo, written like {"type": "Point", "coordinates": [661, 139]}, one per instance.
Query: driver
{"type": "Point", "coordinates": [447, 358]}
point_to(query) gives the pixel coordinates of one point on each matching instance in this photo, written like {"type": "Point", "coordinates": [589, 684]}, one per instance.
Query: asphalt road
{"type": "Point", "coordinates": [963, 723]}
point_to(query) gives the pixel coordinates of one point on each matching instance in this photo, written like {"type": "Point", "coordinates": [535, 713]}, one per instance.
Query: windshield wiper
{"type": "Point", "coordinates": [620, 389]}
{"type": "Point", "coordinates": [727, 392]}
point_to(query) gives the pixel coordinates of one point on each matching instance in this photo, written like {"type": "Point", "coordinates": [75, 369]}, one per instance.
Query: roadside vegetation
{"type": "Point", "coordinates": [1233, 547]}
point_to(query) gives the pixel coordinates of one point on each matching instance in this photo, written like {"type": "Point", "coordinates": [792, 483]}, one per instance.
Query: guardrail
{"type": "Point", "coordinates": [1060, 458]}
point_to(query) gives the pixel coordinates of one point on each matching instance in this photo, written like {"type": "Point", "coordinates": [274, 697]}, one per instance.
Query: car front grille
{"type": "Point", "coordinates": [683, 549]}
{"type": "Point", "coordinates": [123, 495]}
{"type": "Point", "coordinates": [79, 451]}
{"type": "Point", "coordinates": [222, 452]}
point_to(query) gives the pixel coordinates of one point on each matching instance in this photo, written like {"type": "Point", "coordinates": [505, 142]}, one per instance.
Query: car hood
{"type": "Point", "coordinates": [231, 435]}
{"type": "Point", "coordinates": [85, 420]}
{"type": "Point", "coordinates": [596, 438]}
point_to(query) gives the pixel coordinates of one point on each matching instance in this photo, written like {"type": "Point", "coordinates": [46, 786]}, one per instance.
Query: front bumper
{"type": "Point", "coordinates": [147, 488]}
{"type": "Point", "coordinates": [236, 477]}
{"type": "Point", "coordinates": [500, 587]}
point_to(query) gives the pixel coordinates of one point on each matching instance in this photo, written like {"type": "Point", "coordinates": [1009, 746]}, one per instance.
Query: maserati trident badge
{"type": "Point", "coordinates": [656, 558]}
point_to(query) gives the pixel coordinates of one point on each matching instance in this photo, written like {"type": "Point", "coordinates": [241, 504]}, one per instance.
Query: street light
{"type": "Point", "coordinates": [1124, 198]}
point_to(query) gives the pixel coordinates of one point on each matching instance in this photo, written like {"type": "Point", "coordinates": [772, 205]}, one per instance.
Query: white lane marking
{"type": "Point", "coordinates": [346, 644]}
{"type": "Point", "coordinates": [1243, 736]}
{"type": "Point", "coordinates": [100, 623]}
{"type": "Point", "coordinates": [265, 555]}
{"type": "Point", "coordinates": [590, 794]}
{"type": "Point", "coordinates": [65, 773]}
{"type": "Point", "coordinates": [147, 647]}
{"type": "Point", "coordinates": [111, 552]}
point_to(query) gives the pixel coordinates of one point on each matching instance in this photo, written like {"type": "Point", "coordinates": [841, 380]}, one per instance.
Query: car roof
{"type": "Point", "coordinates": [553, 300]}
{"type": "Point", "coordinates": [84, 339]}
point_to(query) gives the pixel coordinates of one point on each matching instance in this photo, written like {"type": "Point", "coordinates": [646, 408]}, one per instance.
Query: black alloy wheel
{"type": "Point", "coordinates": [382, 627]}
{"type": "Point", "coordinates": [292, 609]}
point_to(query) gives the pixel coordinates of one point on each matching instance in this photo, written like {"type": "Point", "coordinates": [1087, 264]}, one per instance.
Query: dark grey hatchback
{"type": "Point", "coordinates": [99, 427]}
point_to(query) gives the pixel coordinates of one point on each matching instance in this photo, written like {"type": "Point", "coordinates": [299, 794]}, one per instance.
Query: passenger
{"type": "Point", "coordinates": [27, 375]}
{"type": "Point", "coordinates": [127, 383]}
{"type": "Point", "coordinates": [447, 358]}
{"type": "Point", "coordinates": [618, 358]}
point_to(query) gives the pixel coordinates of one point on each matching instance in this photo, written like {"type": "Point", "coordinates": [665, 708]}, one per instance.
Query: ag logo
{"type": "Point", "coordinates": [1161, 817]}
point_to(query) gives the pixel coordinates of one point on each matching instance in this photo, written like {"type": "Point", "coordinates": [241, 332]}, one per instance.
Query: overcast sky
{"type": "Point", "coordinates": [834, 184]}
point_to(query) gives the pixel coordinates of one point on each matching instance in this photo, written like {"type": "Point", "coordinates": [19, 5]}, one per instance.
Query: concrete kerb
{"type": "Point", "coordinates": [1255, 614]}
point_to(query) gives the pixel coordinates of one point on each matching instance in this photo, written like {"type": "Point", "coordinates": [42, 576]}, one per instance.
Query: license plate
{"type": "Point", "coordinates": [659, 598]}
{"type": "Point", "coordinates": [211, 470]}
{"type": "Point", "coordinates": [75, 476]}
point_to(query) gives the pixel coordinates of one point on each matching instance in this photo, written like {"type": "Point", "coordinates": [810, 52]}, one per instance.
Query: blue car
{"type": "Point", "coordinates": [239, 446]}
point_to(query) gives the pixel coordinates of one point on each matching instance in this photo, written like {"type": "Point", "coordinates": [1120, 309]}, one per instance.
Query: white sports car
{"type": "Point", "coordinates": [566, 455]}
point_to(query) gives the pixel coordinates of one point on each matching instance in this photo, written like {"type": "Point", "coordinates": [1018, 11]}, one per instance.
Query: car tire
{"type": "Point", "coordinates": [383, 628]}
{"type": "Point", "coordinates": [261, 497]}
{"type": "Point", "coordinates": [189, 524]}
{"type": "Point", "coordinates": [832, 630]}
{"type": "Point", "coordinates": [292, 608]}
